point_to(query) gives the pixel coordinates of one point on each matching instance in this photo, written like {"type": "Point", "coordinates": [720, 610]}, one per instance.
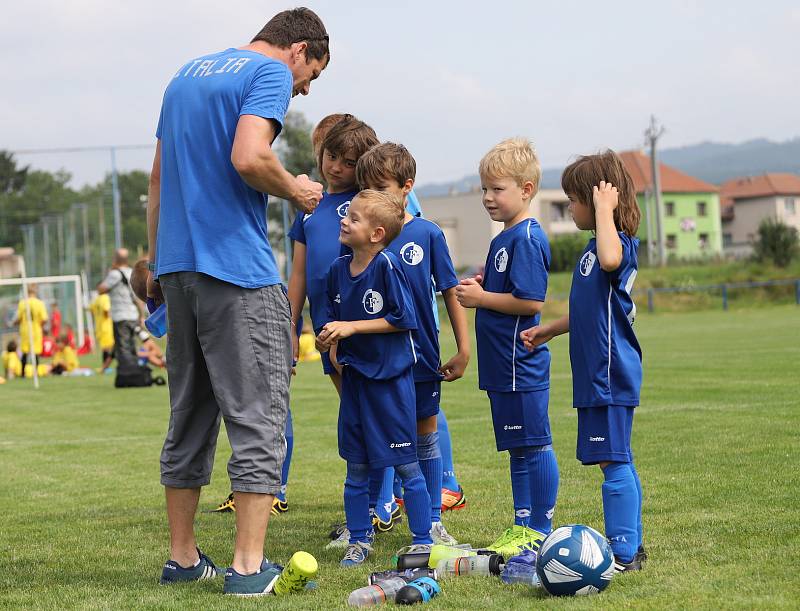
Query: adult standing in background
{"type": "Point", "coordinates": [229, 341]}
{"type": "Point", "coordinates": [125, 312]}
{"type": "Point", "coordinates": [38, 316]}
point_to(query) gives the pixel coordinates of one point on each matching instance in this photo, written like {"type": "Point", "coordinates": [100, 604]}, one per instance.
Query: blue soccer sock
{"type": "Point", "coordinates": [356, 502]}
{"type": "Point", "coordinates": [620, 506]}
{"type": "Point", "coordinates": [520, 486]}
{"type": "Point", "coordinates": [543, 482]}
{"type": "Point", "coordinates": [398, 487]}
{"type": "Point", "coordinates": [449, 480]}
{"type": "Point", "coordinates": [418, 502]}
{"type": "Point", "coordinates": [430, 463]}
{"type": "Point", "coordinates": [383, 481]}
{"type": "Point", "coordinates": [287, 462]}
{"type": "Point", "coordinates": [639, 529]}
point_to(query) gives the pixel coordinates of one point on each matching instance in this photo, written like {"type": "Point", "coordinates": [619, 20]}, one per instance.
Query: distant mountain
{"type": "Point", "coordinates": [713, 162]}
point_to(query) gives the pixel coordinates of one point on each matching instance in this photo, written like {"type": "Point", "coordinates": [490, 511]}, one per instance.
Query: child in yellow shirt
{"type": "Point", "coordinates": [64, 359]}
{"type": "Point", "coordinates": [11, 363]}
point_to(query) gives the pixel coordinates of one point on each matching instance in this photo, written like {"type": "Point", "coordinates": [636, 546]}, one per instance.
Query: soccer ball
{"type": "Point", "coordinates": [575, 560]}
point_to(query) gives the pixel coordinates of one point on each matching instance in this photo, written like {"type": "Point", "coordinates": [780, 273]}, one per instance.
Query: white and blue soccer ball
{"type": "Point", "coordinates": [575, 560]}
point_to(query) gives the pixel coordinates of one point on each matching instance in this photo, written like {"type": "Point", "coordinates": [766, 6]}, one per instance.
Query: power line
{"type": "Point", "coordinates": [82, 149]}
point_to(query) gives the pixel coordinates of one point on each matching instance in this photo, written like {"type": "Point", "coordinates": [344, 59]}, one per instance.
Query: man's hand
{"type": "Point", "coordinates": [455, 367]}
{"type": "Point", "coordinates": [606, 198]}
{"type": "Point", "coordinates": [154, 289]}
{"type": "Point", "coordinates": [470, 292]}
{"type": "Point", "coordinates": [334, 331]}
{"type": "Point", "coordinates": [535, 336]}
{"type": "Point", "coordinates": [308, 194]}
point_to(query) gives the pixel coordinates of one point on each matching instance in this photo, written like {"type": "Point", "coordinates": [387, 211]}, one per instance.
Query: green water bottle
{"type": "Point", "coordinates": [301, 569]}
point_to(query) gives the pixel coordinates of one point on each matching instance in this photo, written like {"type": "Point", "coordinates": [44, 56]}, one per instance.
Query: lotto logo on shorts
{"type": "Point", "coordinates": [404, 444]}
{"type": "Point", "coordinates": [597, 438]}
{"type": "Point", "coordinates": [512, 427]}
{"type": "Point", "coordinates": [373, 301]}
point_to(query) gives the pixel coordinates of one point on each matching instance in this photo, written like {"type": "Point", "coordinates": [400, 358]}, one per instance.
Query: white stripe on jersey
{"type": "Point", "coordinates": [514, 357]}
{"type": "Point", "coordinates": [609, 336]}
{"type": "Point", "coordinates": [413, 350]}
{"type": "Point", "coordinates": [388, 259]}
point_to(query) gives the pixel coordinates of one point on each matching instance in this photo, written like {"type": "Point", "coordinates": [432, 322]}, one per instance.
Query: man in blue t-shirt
{"type": "Point", "coordinates": [228, 317]}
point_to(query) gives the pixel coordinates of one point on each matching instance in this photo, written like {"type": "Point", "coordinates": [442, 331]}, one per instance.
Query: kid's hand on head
{"type": "Point", "coordinates": [605, 196]}
{"type": "Point", "coordinates": [470, 292]}
{"type": "Point", "coordinates": [455, 367]}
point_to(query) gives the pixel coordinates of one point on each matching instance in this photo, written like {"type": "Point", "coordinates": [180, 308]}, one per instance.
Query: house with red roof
{"type": "Point", "coordinates": [691, 209]}
{"type": "Point", "coordinates": [748, 200]}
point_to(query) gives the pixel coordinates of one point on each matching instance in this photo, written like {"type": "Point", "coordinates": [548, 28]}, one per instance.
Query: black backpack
{"type": "Point", "coordinates": [141, 376]}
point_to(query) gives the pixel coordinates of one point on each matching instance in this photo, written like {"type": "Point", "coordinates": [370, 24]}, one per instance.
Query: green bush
{"type": "Point", "coordinates": [565, 250]}
{"type": "Point", "coordinates": [776, 242]}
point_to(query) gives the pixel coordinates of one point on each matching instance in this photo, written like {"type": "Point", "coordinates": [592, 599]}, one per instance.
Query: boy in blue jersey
{"type": "Point", "coordinates": [508, 298]}
{"type": "Point", "coordinates": [370, 318]}
{"type": "Point", "coordinates": [603, 350]}
{"type": "Point", "coordinates": [425, 258]}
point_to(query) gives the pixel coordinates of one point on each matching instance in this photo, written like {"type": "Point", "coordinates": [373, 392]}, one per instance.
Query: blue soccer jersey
{"type": "Point", "coordinates": [518, 263]}
{"type": "Point", "coordinates": [603, 350]}
{"type": "Point", "coordinates": [423, 254]}
{"type": "Point", "coordinates": [320, 234]}
{"type": "Point", "coordinates": [380, 291]}
{"type": "Point", "coordinates": [210, 220]}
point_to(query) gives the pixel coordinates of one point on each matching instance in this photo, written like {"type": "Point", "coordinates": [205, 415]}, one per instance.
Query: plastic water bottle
{"type": "Point", "coordinates": [443, 552]}
{"type": "Point", "coordinates": [302, 568]}
{"type": "Point", "coordinates": [418, 591]}
{"type": "Point", "coordinates": [406, 575]}
{"type": "Point", "coordinates": [156, 323]}
{"type": "Point", "coordinates": [471, 565]}
{"type": "Point", "coordinates": [521, 572]}
{"type": "Point", "coordinates": [416, 560]}
{"type": "Point", "coordinates": [376, 594]}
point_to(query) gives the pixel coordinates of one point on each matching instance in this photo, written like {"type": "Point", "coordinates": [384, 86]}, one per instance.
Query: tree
{"type": "Point", "coordinates": [776, 242]}
{"type": "Point", "coordinates": [12, 181]}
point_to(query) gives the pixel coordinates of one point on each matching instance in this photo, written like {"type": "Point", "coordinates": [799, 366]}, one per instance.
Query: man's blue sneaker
{"type": "Point", "coordinates": [175, 573]}
{"type": "Point", "coordinates": [356, 554]}
{"type": "Point", "coordinates": [257, 584]}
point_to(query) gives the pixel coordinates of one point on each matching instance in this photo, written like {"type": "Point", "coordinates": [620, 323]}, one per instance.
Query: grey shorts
{"type": "Point", "coordinates": [230, 356]}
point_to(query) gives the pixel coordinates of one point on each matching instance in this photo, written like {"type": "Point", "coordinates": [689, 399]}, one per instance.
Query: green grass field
{"type": "Point", "coordinates": [716, 441]}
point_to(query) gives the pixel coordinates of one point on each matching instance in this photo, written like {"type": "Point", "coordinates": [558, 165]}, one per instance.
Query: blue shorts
{"type": "Point", "coordinates": [604, 434]}
{"type": "Point", "coordinates": [377, 420]}
{"type": "Point", "coordinates": [327, 366]}
{"type": "Point", "coordinates": [429, 394]}
{"type": "Point", "coordinates": [520, 418]}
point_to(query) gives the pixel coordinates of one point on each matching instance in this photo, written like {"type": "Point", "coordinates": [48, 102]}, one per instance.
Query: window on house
{"type": "Point", "coordinates": [672, 241]}
{"type": "Point", "coordinates": [559, 211]}
{"type": "Point", "coordinates": [669, 208]}
{"type": "Point", "coordinates": [789, 206]}
{"type": "Point", "coordinates": [702, 240]}
{"type": "Point", "coordinates": [727, 239]}
{"type": "Point", "coordinates": [701, 209]}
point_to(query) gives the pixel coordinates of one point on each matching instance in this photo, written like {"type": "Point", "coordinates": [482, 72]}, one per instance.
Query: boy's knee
{"type": "Point", "coordinates": [357, 473]}
{"type": "Point", "coordinates": [428, 446]}
{"type": "Point", "coordinates": [408, 471]}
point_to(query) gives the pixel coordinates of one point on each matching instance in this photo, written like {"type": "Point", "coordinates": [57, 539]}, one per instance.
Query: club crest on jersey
{"type": "Point", "coordinates": [501, 260]}
{"type": "Point", "coordinates": [373, 301]}
{"type": "Point", "coordinates": [412, 253]}
{"type": "Point", "coordinates": [341, 209]}
{"type": "Point", "coordinates": [587, 263]}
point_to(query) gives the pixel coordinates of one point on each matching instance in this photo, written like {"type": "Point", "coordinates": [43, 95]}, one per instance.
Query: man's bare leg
{"type": "Point", "coordinates": [252, 517]}
{"type": "Point", "coordinates": [181, 508]}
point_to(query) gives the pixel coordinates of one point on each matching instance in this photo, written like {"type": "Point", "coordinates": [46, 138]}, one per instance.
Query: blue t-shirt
{"type": "Point", "coordinates": [380, 291]}
{"type": "Point", "coordinates": [518, 263]}
{"type": "Point", "coordinates": [319, 231]}
{"type": "Point", "coordinates": [425, 258]}
{"type": "Point", "coordinates": [211, 221]}
{"type": "Point", "coordinates": [603, 350]}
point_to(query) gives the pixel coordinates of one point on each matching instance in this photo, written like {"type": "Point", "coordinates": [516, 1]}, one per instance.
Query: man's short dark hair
{"type": "Point", "coordinates": [297, 25]}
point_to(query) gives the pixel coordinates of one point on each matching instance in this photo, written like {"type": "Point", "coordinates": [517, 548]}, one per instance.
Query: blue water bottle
{"type": "Point", "coordinates": [156, 323]}
{"type": "Point", "coordinates": [418, 591]}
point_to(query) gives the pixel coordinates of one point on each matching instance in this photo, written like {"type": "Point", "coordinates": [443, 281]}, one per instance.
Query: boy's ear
{"type": "Point", "coordinates": [528, 190]}
{"type": "Point", "coordinates": [407, 186]}
{"type": "Point", "coordinates": [378, 235]}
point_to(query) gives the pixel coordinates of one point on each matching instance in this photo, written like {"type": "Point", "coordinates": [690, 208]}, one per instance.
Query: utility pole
{"type": "Point", "coordinates": [87, 261]}
{"type": "Point", "coordinates": [652, 134]}
{"type": "Point", "coordinates": [115, 200]}
{"type": "Point", "coordinates": [102, 224]}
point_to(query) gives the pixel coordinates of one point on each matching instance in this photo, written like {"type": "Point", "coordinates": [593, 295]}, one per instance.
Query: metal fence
{"type": "Point", "coordinates": [723, 289]}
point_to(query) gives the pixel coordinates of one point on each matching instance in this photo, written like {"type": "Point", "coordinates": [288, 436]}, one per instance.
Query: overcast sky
{"type": "Point", "coordinates": [447, 79]}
